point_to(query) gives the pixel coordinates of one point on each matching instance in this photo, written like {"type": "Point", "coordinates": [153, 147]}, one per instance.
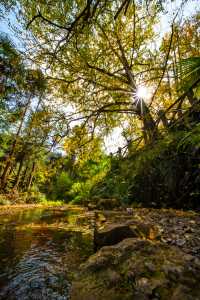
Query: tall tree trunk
{"type": "Point", "coordinates": [30, 179]}
{"type": "Point", "coordinates": [23, 178]}
{"type": "Point", "coordinates": [15, 186]}
{"type": "Point", "coordinates": [141, 108]}
{"type": "Point", "coordinates": [9, 159]}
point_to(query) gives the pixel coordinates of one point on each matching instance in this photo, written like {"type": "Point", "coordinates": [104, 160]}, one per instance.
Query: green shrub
{"type": "Point", "coordinates": [4, 201]}
{"type": "Point", "coordinates": [165, 174]}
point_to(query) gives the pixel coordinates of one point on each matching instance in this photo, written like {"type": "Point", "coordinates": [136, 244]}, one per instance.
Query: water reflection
{"type": "Point", "coordinates": [39, 250]}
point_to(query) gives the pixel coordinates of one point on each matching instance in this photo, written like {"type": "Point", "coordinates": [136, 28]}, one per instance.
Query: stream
{"type": "Point", "coordinates": [40, 249]}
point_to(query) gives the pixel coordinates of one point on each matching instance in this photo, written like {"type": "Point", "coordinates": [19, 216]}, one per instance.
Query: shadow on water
{"type": "Point", "coordinates": [39, 251]}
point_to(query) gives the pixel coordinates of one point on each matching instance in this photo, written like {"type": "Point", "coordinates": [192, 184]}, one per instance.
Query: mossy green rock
{"type": "Point", "coordinates": [137, 269]}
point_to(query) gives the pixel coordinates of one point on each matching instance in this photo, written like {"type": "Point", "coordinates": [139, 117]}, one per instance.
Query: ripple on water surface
{"type": "Point", "coordinates": [39, 249]}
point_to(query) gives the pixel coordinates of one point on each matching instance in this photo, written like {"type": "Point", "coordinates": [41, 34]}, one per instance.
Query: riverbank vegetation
{"type": "Point", "coordinates": [76, 72]}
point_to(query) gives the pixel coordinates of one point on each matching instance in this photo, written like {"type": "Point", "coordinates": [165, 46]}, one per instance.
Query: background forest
{"type": "Point", "coordinates": [73, 73]}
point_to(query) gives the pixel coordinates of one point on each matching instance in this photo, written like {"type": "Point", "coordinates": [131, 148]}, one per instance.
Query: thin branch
{"type": "Point", "coordinates": [107, 73]}
{"type": "Point", "coordinates": [165, 66]}
{"type": "Point", "coordinates": [181, 98]}
{"type": "Point", "coordinates": [126, 65]}
{"type": "Point", "coordinates": [39, 15]}
{"type": "Point", "coordinates": [121, 8]}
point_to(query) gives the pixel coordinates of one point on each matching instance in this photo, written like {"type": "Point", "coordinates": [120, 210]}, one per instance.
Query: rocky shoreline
{"type": "Point", "coordinates": [151, 254]}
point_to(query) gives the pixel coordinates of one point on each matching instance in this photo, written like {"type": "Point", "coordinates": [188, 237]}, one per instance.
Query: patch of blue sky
{"type": "Point", "coordinates": [174, 11]}
{"type": "Point", "coordinates": [9, 26]}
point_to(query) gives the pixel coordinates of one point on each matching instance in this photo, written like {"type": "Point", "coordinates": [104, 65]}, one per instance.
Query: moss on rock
{"type": "Point", "coordinates": [138, 269]}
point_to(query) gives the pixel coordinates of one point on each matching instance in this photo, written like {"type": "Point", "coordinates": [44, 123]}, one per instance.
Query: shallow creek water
{"type": "Point", "coordinates": [40, 249]}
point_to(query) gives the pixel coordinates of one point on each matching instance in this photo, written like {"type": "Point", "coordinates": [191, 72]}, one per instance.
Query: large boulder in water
{"type": "Point", "coordinates": [112, 234]}
{"type": "Point", "coordinates": [137, 269]}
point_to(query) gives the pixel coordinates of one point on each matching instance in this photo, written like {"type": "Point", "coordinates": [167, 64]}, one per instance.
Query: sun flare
{"type": "Point", "coordinates": [144, 92]}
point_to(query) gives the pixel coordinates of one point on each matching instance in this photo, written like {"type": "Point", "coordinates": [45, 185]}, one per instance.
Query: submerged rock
{"type": "Point", "coordinates": [138, 269]}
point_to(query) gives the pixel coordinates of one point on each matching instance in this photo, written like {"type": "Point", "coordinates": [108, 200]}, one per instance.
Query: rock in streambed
{"type": "Point", "coordinates": [138, 269]}
{"type": "Point", "coordinates": [152, 254]}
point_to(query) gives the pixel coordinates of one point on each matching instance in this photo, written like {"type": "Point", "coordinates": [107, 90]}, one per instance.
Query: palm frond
{"type": "Point", "coordinates": [188, 71]}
